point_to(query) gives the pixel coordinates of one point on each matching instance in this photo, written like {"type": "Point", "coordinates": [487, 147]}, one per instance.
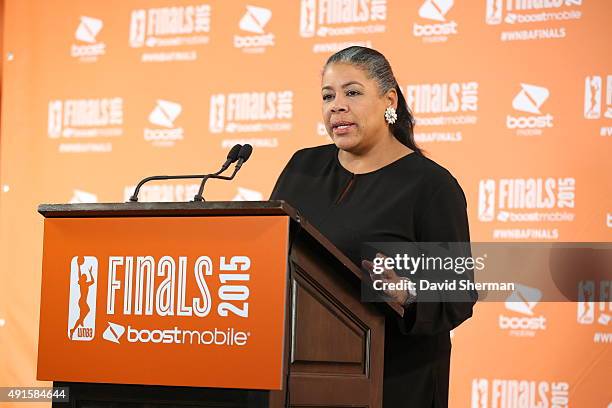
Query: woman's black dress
{"type": "Point", "coordinates": [412, 199]}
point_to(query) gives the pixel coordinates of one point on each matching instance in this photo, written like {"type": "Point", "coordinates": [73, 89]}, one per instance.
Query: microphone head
{"type": "Point", "coordinates": [245, 152]}
{"type": "Point", "coordinates": [233, 154]}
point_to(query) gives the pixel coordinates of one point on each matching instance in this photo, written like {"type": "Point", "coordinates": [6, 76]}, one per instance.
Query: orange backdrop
{"type": "Point", "coordinates": [513, 96]}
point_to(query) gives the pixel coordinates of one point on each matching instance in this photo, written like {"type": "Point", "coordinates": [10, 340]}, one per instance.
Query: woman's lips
{"type": "Point", "coordinates": [342, 128]}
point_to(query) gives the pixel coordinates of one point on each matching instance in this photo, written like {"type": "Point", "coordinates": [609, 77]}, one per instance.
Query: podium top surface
{"type": "Point", "coordinates": [135, 209]}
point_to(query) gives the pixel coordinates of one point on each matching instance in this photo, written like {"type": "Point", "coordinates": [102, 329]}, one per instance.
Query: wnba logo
{"type": "Point", "coordinates": [593, 92]}
{"type": "Point", "coordinates": [217, 113]}
{"type": "Point", "coordinates": [494, 12]}
{"type": "Point", "coordinates": [82, 306]}
{"type": "Point", "coordinates": [486, 200]}
{"type": "Point", "coordinates": [55, 119]}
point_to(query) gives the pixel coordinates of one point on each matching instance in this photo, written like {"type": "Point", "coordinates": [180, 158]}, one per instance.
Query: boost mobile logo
{"type": "Point", "coordinates": [113, 332]}
{"type": "Point", "coordinates": [82, 302]}
{"type": "Point", "coordinates": [593, 92]}
{"type": "Point", "coordinates": [435, 10]}
{"type": "Point", "coordinates": [529, 100]}
{"type": "Point", "coordinates": [164, 114]}
{"type": "Point", "coordinates": [254, 21]}
{"type": "Point", "coordinates": [523, 300]}
{"type": "Point", "coordinates": [87, 31]}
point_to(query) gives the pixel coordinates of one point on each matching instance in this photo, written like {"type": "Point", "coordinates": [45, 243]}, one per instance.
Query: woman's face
{"type": "Point", "coordinates": [353, 109]}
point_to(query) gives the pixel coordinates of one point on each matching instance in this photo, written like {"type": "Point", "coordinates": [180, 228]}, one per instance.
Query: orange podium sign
{"type": "Point", "coordinates": [192, 301]}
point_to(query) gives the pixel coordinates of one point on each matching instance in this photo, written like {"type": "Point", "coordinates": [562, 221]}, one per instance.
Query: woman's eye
{"type": "Point", "coordinates": [327, 97]}
{"type": "Point", "coordinates": [352, 93]}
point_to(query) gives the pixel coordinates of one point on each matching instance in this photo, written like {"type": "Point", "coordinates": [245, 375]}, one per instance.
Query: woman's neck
{"type": "Point", "coordinates": [375, 157]}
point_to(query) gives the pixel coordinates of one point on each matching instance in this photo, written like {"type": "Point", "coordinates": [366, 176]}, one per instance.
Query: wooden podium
{"type": "Point", "coordinates": [268, 309]}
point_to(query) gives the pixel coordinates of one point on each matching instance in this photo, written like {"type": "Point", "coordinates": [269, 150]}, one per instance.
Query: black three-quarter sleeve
{"type": "Point", "coordinates": [440, 218]}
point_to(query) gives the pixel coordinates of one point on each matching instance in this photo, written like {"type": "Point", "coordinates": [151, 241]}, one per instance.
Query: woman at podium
{"type": "Point", "coordinates": [373, 184]}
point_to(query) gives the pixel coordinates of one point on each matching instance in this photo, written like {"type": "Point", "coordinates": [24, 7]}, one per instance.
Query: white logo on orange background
{"type": "Point", "coordinates": [435, 10]}
{"type": "Point", "coordinates": [217, 113]}
{"type": "Point", "coordinates": [55, 119]}
{"type": "Point", "coordinates": [510, 393]}
{"type": "Point", "coordinates": [326, 18]}
{"type": "Point", "coordinates": [244, 194]}
{"type": "Point", "coordinates": [249, 112]}
{"type": "Point", "coordinates": [113, 332]}
{"type": "Point", "coordinates": [254, 21]}
{"type": "Point", "coordinates": [169, 26]}
{"type": "Point", "coordinates": [80, 196]}
{"type": "Point", "coordinates": [589, 306]}
{"type": "Point", "coordinates": [506, 196]}
{"type": "Point", "coordinates": [163, 29]}
{"type": "Point", "coordinates": [522, 300]}
{"type": "Point", "coordinates": [82, 302]}
{"type": "Point", "coordinates": [530, 100]}
{"type": "Point", "coordinates": [593, 96]}
{"type": "Point", "coordinates": [73, 118]}
{"type": "Point", "coordinates": [518, 11]}
{"type": "Point", "coordinates": [486, 200]}
{"type": "Point", "coordinates": [494, 11]}
{"type": "Point", "coordinates": [164, 114]}
{"type": "Point", "coordinates": [442, 97]}
{"type": "Point", "coordinates": [87, 31]}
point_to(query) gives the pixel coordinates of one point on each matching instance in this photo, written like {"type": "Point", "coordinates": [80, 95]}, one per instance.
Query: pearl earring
{"type": "Point", "coordinates": [390, 115]}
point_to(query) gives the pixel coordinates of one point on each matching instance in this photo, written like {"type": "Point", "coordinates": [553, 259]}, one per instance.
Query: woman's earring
{"type": "Point", "coordinates": [390, 115]}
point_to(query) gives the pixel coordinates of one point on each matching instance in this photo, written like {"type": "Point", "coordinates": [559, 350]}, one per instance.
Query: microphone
{"type": "Point", "coordinates": [232, 156]}
{"type": "Point", "coordinates": [243, 156]}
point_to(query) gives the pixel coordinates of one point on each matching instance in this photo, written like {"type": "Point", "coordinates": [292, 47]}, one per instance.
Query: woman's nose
{"type": "Point", "coordinates": [338, 106]}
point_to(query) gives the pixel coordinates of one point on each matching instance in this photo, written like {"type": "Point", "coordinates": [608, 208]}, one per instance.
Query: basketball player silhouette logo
{"type": "Point", "coordinates": [82, 306]}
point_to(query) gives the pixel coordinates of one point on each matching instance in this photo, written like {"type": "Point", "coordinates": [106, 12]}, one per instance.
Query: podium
{"type": "Point", "coordinates": [215, 304]}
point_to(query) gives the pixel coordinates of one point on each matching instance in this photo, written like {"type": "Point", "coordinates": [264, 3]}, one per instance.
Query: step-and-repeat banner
{"type": "Point", "coordinates": [514, 97]}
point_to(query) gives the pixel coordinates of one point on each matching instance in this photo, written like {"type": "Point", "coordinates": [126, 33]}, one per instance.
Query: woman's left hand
{"type": "Point", "coordinates": [388, 275]}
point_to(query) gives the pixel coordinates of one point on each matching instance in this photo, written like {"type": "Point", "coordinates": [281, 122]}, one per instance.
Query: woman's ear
{"type": "Point", "coordinates": [391, 98]}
